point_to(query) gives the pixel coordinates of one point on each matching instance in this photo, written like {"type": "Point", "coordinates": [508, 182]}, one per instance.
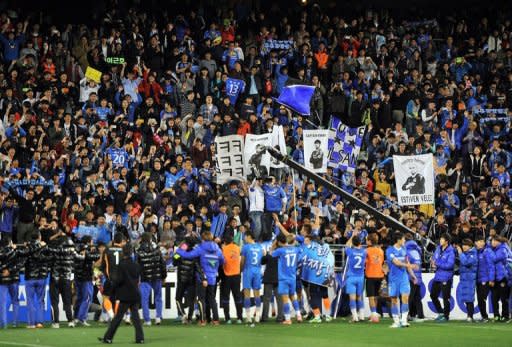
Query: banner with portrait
{"type": "Point", "coordinates": [316, 150]}
{"type": "Point", "coordinates": [257, 159]}
{"type": "Point", "coordinates": [414, 178]}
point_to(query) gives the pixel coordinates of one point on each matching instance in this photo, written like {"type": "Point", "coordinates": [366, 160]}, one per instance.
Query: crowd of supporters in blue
{"type": "Point", "coordinates": [134, 155]}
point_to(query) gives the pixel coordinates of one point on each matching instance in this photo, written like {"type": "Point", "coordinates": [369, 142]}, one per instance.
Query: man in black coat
{"type": "Point", "coordinates": [126, 286]}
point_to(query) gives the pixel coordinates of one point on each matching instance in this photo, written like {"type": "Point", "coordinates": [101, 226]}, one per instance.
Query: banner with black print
{"type": "Point", "coordinates": [257, 159]}
{"type": "Point", "coordinates": [230, 158]}
{"type": "Point", "coordinates": [414, 178]}
{"type": "Point", "coordinates": [316, 152]}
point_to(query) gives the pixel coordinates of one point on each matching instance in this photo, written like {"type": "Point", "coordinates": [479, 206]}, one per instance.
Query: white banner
{"type": "Point", "coordinates": [257, 159]}
{"type": "Point", "coordinates": [316, 150]}
{"type": "Point", "coordinates": [279, 144]}
{"type": "Point", "coordinates": [414, 178]}
{"type": "Point", "coordinates": [230, 158]}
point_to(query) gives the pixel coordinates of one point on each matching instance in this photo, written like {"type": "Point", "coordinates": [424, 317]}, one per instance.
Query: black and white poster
{"type": "Point", "coordinates": [279, 144]}
{"type": "Point", "coordinates": [316, 150]}
{"type": "Point", "coordinates": [414, 178]}
{"type": "Point", "coordinates": [257, 159]}
{"type": "Point", "coordinates": [230, 158]}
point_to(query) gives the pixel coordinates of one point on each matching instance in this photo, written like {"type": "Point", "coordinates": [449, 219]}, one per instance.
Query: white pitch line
{"type": "Point", "coordinates": [8, 343]}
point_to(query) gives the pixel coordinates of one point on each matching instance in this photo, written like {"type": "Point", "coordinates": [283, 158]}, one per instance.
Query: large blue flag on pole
{"type": "Point", "coordinates": [297, 97]}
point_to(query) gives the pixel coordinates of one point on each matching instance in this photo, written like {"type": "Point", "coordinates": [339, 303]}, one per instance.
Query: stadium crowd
{"type": "Point", "coordinates": [86, 167]}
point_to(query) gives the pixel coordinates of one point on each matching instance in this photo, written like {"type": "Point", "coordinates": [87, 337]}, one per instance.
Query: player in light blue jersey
{"type": "Point", "coordinates": [354, 285]}
{"type": "Point", "coordinates": [398, 280]}
{"type": "Point", "coordinates": [250, 263]}
{"type": "Point", "coordinates": [288, 258]}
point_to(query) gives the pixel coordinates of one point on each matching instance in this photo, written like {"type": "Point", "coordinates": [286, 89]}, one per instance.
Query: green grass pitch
{"type": "Point", "coordinates": [336, 333]}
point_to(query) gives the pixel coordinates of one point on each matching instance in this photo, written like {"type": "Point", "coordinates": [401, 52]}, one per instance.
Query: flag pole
{"type": "Point", "coordinates": [391, 222]}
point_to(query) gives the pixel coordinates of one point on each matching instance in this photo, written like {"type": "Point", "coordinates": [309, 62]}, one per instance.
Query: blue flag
{"type": "Point", "coordinates": [297, 97]}
{"type": "Point", "coordinates": [344, 145]}
{"type": "Point", "coordinates": [318, 264]}
{"type": "Point", "coordinates": [233, 88]}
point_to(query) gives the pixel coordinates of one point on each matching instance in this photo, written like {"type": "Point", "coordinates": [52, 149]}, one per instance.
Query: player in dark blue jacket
{"type": "Point", "coordinates": [444, 263]}
{"type": "Point", "coordinates": [501, 290]}
{"type": "Point", "coordinates": [468, 272]}
{"type": "Point", "coordinates": [485, 275]}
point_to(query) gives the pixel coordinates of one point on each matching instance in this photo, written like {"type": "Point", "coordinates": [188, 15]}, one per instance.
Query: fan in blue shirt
{"type": "Point", "coordinates": [354, 285]}
{"type": "Point", "coordinates": [398, 280]}
{"type": "Point", "coordinates": [251, 274]}
{"type": "Point", "coordinates": [288, 258]}
{"type": "Point", "coordinates": [119, 156]}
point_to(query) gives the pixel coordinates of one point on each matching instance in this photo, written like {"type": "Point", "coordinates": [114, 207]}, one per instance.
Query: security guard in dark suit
{"type": "Point", "coordinates": [126, 287]}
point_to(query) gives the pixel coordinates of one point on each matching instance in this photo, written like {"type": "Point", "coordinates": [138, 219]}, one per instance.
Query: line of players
{"type": "Point", "coordinates": [198, 272]}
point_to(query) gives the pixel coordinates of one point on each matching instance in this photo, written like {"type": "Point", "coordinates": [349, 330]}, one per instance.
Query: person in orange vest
{"type": "Point", "coordinates": [231, 278]}
{"type": "Point", "coordinates": [374, 273]}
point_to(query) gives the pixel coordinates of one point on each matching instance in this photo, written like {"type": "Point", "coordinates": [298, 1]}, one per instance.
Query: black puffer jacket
{"type": "Point", "coordinates": [188, 268]}
{"type": "Point", "coordinates": [84, 263]}
{"type": "Point", "coordinates": [63, 259]}
{"type": "Point", "coordinates": [11, 260]}
{"type": "Point", "coordinates": [37, 265]}
{"type": "Point", "coordinates": [152, 263]}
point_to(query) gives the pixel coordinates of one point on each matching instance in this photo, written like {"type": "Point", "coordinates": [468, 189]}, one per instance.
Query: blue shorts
{"type": "Point", "coordinates": [251, 280]}
{"type": "Point", "coordinates": [354, 285]}
{"type": "Point", "coordinates": [399, 287]}
{"type": "Point", "coordinates": [286, 287]}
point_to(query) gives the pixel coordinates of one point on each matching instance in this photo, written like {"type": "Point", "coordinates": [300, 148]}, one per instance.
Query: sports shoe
{"type": "Point", "coordinates": [497, 319]}
{"type": "Point", "coordinates": [328, 319]}
{"type": "Point", "coordinates": [229, 322]}
{"type": "Point", "coordinates": [405, 324]}
{"type": "Point", "coordinates": [201, 323]}
{"type": "Point", "coordinates": [215, 322]}
{"type": "Point", "coordinates": [127, 320]}
{"type": "Point", "coordinates": [361, 316]}
{"type": "Point", "coordinates": [286, 322]}
{"type": "Point", "coordinates": [395, 325]}
{"type": "Point", "coordinates": [55, 325]}
{"type": "Point", "coordinates": [247, 320]}
{"type": "Point", "coordinates": [102, 340]}
{"type": "Point", "coordinates": [315, 320]}
{"type": "Point", "coordinates": [158, 321]}
{"type": "Point", "coordinates": [31, 326]}
{"type": "Point", "coordinates": [417, 320]}
{"type": "Point", "coordinates": [39, 326]}
{"type": "Point", "coordinates": [147, 324]}
{"type": "Point", "coordinates": [84, 323]}
{"type": "Point", "coordinates": [299, 318]}
{"type": "Point", "coordinates": [71, 324]}
{"type": "Point", "coordinates": [354, 320]}
{"type": "Point", "coordinates": [439, 317]}
{"type": "Point", "coordinates": [469, 320]}
{"type": "Point", "coordinates": [239, 321]}
{"type": "Point", "coordinates": [442, 319]}
{"type": "Point", "coordinates": [484, 320]}
{"type": "Point", "coordinates": [257, 319]}
{"type": "Point", "coordinates": [140, 342]}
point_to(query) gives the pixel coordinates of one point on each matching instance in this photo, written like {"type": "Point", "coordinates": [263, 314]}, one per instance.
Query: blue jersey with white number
{"type": "Point", "coordinates": [396, 273]}
{"type": "Point", "coordinates": [119, 156]}
{"type": "Point", "coordinates": [356, 260]}
{"type": "Point", "coordinates": [252, 252]}
{"type": "Point", "coordinates": [287, 262]}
